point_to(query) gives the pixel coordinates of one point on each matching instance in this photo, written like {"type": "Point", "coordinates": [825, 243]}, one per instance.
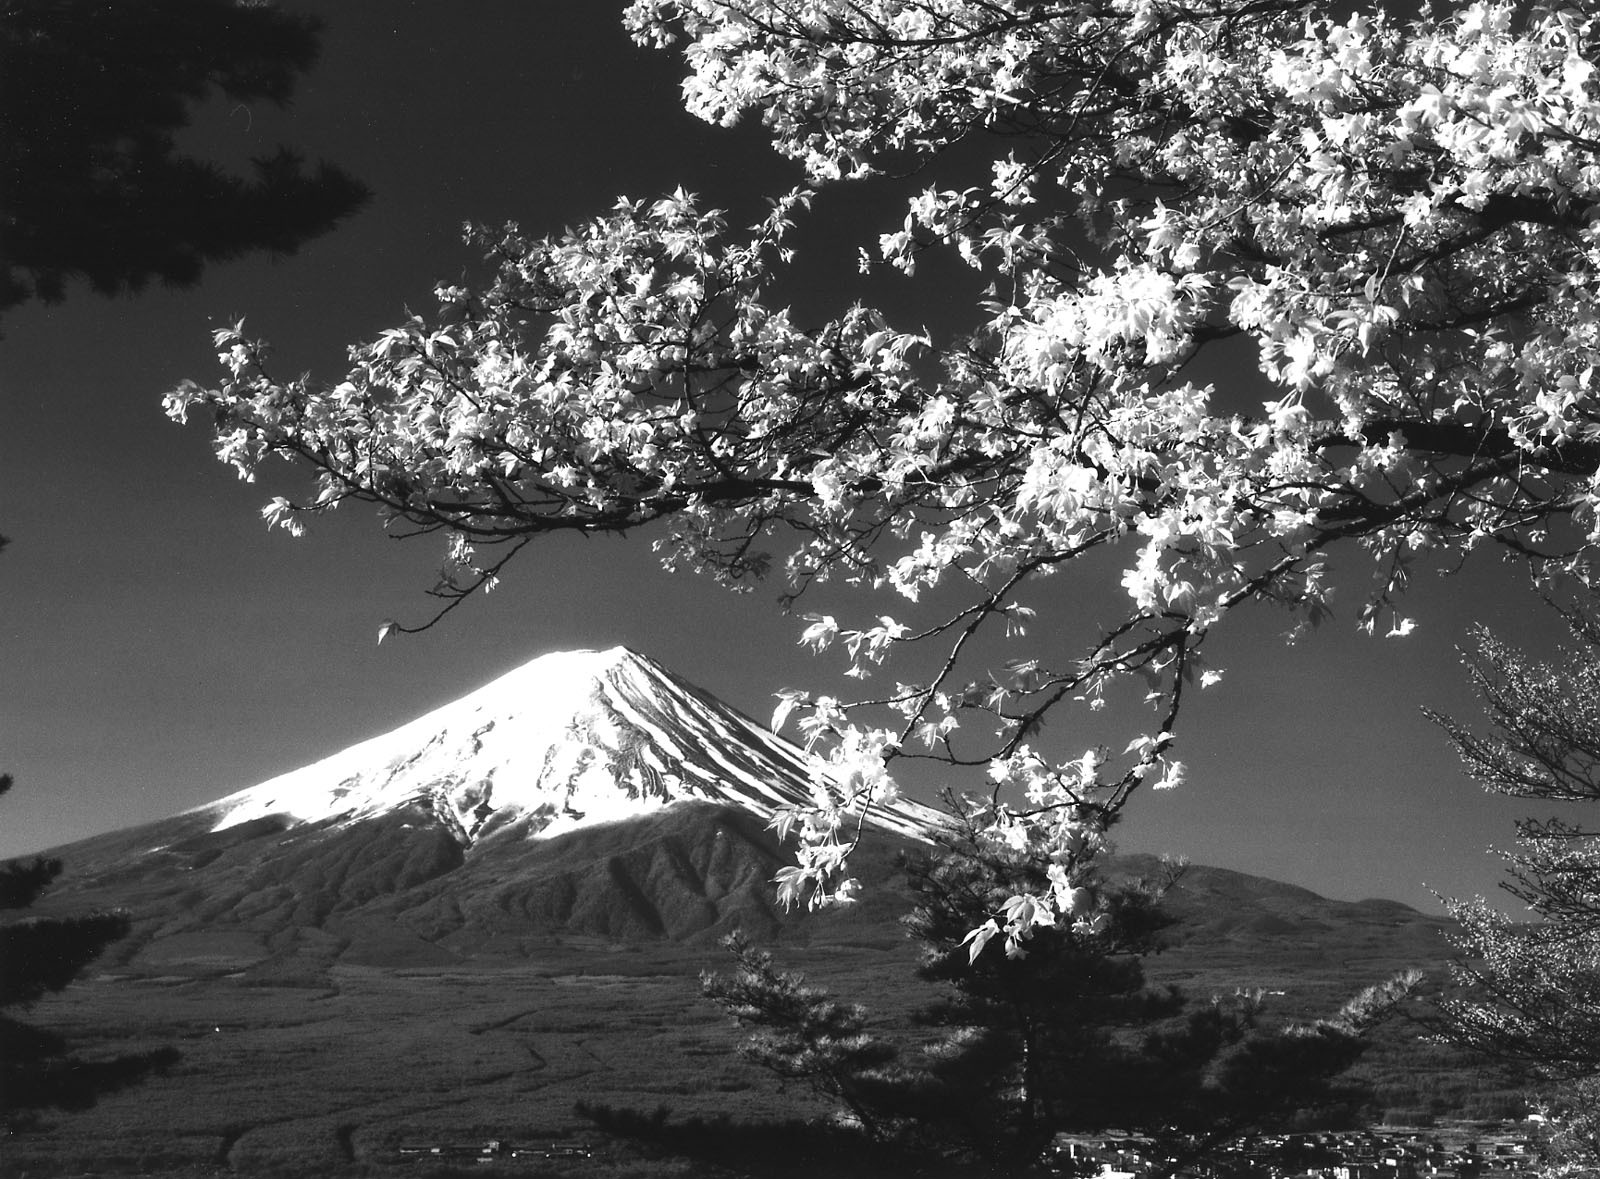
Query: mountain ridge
{"type": "Point", "coordinates": [585, 795]}
{"type": "Point", "coordinates": [351, 951]}
{"type": "Point", "coordinates": [567, 739]}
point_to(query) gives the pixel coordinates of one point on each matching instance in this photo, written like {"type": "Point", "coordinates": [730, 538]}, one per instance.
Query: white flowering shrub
{"type": "Point", "coordinates": [1528, 985]}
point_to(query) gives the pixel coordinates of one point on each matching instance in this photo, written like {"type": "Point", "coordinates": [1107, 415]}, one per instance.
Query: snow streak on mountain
{"type": "Point", "coordinates": [571, 739]}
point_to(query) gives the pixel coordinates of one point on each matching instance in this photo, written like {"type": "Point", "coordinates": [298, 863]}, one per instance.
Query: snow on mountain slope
{"type": "Point", "coordinates": [568, 740]}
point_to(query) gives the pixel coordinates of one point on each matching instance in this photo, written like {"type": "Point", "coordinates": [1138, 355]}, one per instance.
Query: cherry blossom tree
{"type": "Point", "coordinates": [1531, 988]}
{"type": "Point", "coordinates": [1392, 220]}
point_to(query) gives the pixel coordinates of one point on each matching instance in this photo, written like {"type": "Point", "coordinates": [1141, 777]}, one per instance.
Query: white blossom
{"type": "Point", "coordinates": [1389, 224]}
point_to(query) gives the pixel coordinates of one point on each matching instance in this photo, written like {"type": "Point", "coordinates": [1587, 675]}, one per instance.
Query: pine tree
{"type": "Point", "coordinates": [38, 956]}
{"type": "Point", "coordinates": [1029, 1036]}
{"type": "Point", "coordinates": [804, 1035]}
{"type": "Point", "coordinates": [1061, 1033]}
{"type": "Point", "coordinates": [92, 182]}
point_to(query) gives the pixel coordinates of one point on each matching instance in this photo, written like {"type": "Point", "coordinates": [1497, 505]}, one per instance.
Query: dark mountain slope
{"type": "Point", "coordinates": [385, 886]}
{"type": "Point", "coordinates": [274, 901]}
{"type": "Point", "coordinates": [1237, 930]}
{"type": "Point", "coordinates": [595, 797]}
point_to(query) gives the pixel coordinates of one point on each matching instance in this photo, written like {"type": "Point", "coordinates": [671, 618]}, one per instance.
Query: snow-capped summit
{"type": "Point", "coordinates": [570, 739]}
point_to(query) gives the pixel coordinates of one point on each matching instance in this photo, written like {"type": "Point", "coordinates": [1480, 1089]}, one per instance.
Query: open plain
{"type": "Point", "coordinates": [309, 1063]}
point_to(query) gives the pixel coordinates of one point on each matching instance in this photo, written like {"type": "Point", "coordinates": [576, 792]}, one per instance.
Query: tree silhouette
{"type": "Point", "coordinates": [93, 184]}
{"type": "Point", "coordinates": [38, 956]}
{"type": "Point", "coordinates": [1065, 1034]}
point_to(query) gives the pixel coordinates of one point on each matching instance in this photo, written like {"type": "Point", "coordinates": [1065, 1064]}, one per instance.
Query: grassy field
{"type": "Point", "coordinates": [306, 1070]}
{"type": "Point", "coordinates": [320, 1049]}
{"type": "Point", "coordinates": [334, 1074]}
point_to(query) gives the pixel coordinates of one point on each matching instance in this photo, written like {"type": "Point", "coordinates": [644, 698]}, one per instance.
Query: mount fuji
{"type": "Point", "coordinates": [571, 739]}
{"type": "Point", "coordinates": [587, 794]}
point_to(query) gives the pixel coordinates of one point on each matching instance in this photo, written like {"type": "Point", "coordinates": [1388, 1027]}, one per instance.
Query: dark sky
{"type": "Point", "coordinates": [161, 648]}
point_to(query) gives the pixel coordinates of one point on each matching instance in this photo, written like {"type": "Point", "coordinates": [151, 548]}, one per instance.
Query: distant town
{"type": "Point", "coordinates": [494, 1150]}
{"type": "Point", "coordinates": [1466, 1151]}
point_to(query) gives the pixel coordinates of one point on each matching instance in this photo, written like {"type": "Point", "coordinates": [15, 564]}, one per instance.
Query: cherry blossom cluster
{"type": "Point", "coordinates": [1393, 224]}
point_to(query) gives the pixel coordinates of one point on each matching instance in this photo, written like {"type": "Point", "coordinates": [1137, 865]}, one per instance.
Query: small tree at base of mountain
{"type": "Point", "coordinates": [1531, 989]}
{"type": "Point", "coordinates": [805, 1036]}
{"type": "Point", "coordinates": [1063, 1035]}
{"type": "Point", "coordinates": [38, 956]}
